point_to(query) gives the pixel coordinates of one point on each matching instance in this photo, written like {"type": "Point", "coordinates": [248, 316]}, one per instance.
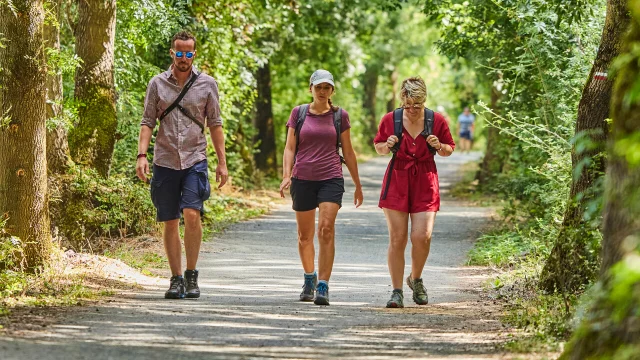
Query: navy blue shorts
{"type": "Point", "coordinates": [174, 190]}
{"type": "Point", "coordinates": [465, 134]}
{"type": "Point", "coordinates": [308, 194]}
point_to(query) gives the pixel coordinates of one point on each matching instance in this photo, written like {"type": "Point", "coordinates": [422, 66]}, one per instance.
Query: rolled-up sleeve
{"type": "Point", "coordinates": [213, 107]}
{"type": "Point", "coordinates": [150, 114]}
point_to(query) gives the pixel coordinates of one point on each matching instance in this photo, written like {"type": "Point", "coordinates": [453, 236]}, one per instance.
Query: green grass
{"type": "Point", "coordinates": [138, 258]}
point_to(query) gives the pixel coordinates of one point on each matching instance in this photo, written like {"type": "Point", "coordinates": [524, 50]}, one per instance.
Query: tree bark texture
{"type": "Point", "coordinates": [266, 159]}
{"type": "Point", "coordinates": [57, 144]}
{"type": "Point", "coordinates": [570, 264]}
{"type": "Point", "coordinates": [23, 162]}
{"type": "Point", "coordinates": [393, 80]}
{"type": "Point", "coordinates": [369, 102]}
{"type": "Point", "coordinates": [493, 161]}
{"type": "Point", "coordinates": [92, 140]}
{"type": "Point", "coordinates": [612, 325]}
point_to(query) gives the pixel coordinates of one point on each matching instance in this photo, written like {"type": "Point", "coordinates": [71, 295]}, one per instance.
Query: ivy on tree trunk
{"type": "Point", "coordinates": [92, 140]}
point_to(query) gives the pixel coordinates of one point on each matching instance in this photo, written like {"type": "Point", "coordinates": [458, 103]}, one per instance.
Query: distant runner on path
{"type": "Point", "coordinates": [184, 101]}
{"type": "Point", "coordinates": [466, 126]}
{"type": "Point", "coordinates": [312, 168]}
{"type": "Point", "coordinates": [410, 187]}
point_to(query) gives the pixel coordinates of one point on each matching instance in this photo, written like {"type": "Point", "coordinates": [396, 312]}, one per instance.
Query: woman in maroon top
{"type": "Point", "coordinates": [413, 190]}
{"type": "Point", "coordinates": [313, 170]}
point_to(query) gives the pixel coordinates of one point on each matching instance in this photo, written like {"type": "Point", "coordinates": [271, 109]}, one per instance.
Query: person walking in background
{"type": "Point", "coordinates": [465, 129]}
{"type": "Point", "coordinates": [185, 102]}
{"type": "Point", "coordinates": [444, 114]}
{"type": "Point", "coordinates": [410, 187]}
{"type": "Point", "coordinates": [312, 169]}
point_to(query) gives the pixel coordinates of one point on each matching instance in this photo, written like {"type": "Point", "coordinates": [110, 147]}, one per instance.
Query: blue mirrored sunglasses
{"type": "Point", "coordinates": [180, 54]}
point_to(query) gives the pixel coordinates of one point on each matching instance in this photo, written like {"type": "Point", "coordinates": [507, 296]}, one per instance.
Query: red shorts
{"type": "Point", "coordinates": [414, 187]}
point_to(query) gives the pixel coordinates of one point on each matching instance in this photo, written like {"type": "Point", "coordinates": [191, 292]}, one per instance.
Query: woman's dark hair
{"type": "Point", "coordinates": [183, 35]}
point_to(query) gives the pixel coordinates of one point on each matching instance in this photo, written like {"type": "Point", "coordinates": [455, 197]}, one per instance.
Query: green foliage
{"type": "Point", "coordinates": [87, 207]}
{"type": "Point", "coordinates": [610, 312]}
{"type": "Point", "coordinates": [221, 211]}
{"type": "Point", "coordinates": [12, 277]}
{"type": "Point", "coordinates": [138, 258]}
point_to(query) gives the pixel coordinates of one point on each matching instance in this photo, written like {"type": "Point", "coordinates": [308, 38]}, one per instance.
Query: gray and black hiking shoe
{"type": "Point", "coordinates": [309, 287]}
{"type": "Point", "coordinates": [191, 278]}
{"type": "Point", "coordinates": [419, 292]}
{"type": "Point", "coordinates": [322, 294]}
{"type": "Point", "coordinates": [397, 299]}
{"type": "Point", "coordinates": [176, 288]}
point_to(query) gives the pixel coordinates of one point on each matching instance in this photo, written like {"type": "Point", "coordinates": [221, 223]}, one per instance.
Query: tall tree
{"type": "Point", "coordinates": [567, 267]}
{"type": "Point", "coordinates": [92, 140]}
{"type": "Point", "coordinates": [611, 329]}
{"type": "Point", "coordinates": [493, 159]}
{"type": "Point", "coordinates": [370, 85]}
{"type": "Point", "coordinates": [23, 164]}
{"type": "Point", "coordinates": [57, 143]}
{"type": "Point", "coordinates": [266, 159]}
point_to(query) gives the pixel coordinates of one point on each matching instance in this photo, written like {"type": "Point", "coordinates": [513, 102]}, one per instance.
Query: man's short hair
{"type": "Point", "coordinates": [183, 35]}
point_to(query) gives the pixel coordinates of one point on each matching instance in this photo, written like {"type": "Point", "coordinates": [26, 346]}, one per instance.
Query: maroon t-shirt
{"type": "Point", "coordinates": [317, 158]}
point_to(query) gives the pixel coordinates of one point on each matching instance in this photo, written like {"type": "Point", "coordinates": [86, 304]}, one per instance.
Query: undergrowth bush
{"type": "Point", "coordinates": [86, 206]}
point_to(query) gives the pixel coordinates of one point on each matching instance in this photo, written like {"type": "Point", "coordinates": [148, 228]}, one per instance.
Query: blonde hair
{"type": "Point", "coordinates": [415, 89]}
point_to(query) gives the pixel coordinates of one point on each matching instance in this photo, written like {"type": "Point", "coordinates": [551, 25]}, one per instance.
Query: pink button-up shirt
{"type": "Point", "coordinates": [180, 142]}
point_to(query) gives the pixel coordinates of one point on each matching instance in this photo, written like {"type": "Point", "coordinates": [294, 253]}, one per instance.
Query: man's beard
{"type": "Point", "coordinates": [183, 67]}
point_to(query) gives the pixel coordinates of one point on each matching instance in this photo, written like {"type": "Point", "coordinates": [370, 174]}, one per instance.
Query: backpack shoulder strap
{"type": "Point", "coordinates": [397, 128]}
{"type": "Point", "coordinates": [302, 114]}
{"type": "Point", "coordinates": [428, 126]}
{"type": "Point", "coordinates": [428, 122]}
{"type": "Point", "coordinates": [337, 123]}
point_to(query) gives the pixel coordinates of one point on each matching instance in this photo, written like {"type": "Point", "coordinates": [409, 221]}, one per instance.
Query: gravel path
{"type": "Point", "coordinates": [250, 277]}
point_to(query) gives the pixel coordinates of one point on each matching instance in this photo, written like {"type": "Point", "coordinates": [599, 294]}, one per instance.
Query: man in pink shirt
{"type": "Point", "coordinates": [186, 102]}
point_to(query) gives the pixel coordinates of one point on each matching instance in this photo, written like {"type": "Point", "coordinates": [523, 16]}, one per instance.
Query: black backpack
{"type": "Point", "coordinates": [337, 123]}
{"type": "Point", "coordinates": [397, 131]}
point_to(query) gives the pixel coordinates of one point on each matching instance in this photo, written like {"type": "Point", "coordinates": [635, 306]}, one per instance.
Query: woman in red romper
{"type": "Point", "coordinates": [413, 191]}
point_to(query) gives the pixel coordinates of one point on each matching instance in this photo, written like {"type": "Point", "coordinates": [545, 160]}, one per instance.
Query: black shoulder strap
{"type": "Point", "coordinates": [428, 127]}
{"type": "Point", "coordinates": [397, 131]}
{"type": "Point", "coordinates": [337, 123]}
{"type": "Point", "coordinates": [397, 128]}
{"type": "Point", "coordinates": [176, 102]}
{"type": "Point", "coordinates": [302, 114]}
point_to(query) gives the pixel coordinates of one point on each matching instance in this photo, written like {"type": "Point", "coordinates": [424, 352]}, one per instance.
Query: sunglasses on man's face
{"type": "Point", "coordinates": [180, 54]}
{"type": "Point", "coordinates": [414, 106]}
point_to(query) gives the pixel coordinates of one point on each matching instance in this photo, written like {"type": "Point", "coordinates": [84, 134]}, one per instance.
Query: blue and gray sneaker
{"type": "Point", "coordinates": [309, 287]}
{"type": "Point", "coordinates": [322, 294]}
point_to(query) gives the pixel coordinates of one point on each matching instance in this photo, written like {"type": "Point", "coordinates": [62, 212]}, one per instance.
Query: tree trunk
{"type": "Point", "coordinates": [57, 145]}
{"type": "Point", "coordinates": [93, 139]}
{"type": "Point", "coordinates": [493, 161]}
{"type": "Point", "coordinates": [265, 159]}
{"type": "Point", "coordinates": [612, 326]}
{"type": "Point", "coordinates": [393, 79]}
{"type": "Point", "coordinates": [369, 102]}
{"type": "Point", "coordinates": [570, 264]}
{"type": "Point", "coordinates": [23, 163]}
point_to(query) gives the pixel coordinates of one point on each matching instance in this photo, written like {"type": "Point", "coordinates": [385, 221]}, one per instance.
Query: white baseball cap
{"type": "Point", "coordinates": [321, 76]}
